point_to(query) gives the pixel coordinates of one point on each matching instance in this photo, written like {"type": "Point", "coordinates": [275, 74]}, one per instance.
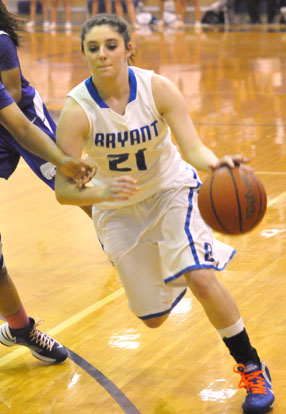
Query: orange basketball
{"type": "Point", "coordinates": [232, 201]}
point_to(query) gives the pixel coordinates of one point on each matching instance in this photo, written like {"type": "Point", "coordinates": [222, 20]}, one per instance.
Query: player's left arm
{"type": "Point", "coordinates": [11, 79]}
{"type": "Point", "coordinates": [172, 106]}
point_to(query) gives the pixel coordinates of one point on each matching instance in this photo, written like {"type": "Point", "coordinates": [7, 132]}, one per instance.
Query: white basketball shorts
{"type": "Point", "coordinates": [154, 242]}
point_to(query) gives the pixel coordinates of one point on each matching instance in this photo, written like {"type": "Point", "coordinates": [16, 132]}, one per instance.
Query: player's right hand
{"type": "Point", "coordinates": [230, 160]}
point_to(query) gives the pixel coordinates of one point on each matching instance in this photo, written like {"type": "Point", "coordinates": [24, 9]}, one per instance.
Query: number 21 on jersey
{"type": "Point", "coordinates": [116, 160]}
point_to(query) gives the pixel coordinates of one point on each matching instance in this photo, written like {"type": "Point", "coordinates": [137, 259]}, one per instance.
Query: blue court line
{"type": "Point", "coordinates": [108, 385]}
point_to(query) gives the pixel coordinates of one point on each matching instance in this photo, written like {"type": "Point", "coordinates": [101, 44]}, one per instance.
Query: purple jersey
{"type": "Point", "coordinates": [5, 98]}
{"type": "Point", "coordinates": [9, 60]}
{"type": "Point", "coordinates": [34, 109]}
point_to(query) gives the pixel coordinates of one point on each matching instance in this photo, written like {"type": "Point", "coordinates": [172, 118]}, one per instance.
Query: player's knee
{"type": "Point", "coordinates": [202, 283]}
{"type": "Point", "coordinates": [155, 322]}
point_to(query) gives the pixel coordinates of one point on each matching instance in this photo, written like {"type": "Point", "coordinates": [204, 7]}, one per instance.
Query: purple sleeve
{"type": "Point", "coordinates": [8, 53]}
{"type": "Point", "coordinates": [5, 98]}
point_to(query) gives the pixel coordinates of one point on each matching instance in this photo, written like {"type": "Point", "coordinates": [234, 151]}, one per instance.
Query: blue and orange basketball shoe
{"type": "Point", "coordinates": [255, 378]}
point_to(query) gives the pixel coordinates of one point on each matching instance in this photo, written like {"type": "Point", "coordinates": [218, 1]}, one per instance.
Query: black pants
{"type": "Point", "coordinates": [253, 10]}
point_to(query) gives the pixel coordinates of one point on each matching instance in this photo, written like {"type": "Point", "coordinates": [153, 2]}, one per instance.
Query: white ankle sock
{"type": "Point", "coordinates": [232, 330]}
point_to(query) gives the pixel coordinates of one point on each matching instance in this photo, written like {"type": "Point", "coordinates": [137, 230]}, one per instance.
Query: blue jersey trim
{"type": "Point", "coordinates": [156, 315]}
{"type": "Point", "coordinates": [187, 227]}
{"type": "Point", "coordinates": [96, 97]}
{"type": "Point", "coordinates": [133, 85]}
{"type": "Point", "coordinates": [199, 266]}
{"type": "Point", "coordinates": [94, 94]}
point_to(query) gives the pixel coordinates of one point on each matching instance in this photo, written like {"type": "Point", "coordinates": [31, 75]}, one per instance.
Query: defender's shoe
{"type": "Point", "coordinates": [40, 344]}
{"type": "Point", "coordinates": [257, 381]}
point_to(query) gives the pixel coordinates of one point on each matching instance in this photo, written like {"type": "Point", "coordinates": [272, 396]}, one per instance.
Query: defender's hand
{"type": "Point", "coordinates": [80, 170]}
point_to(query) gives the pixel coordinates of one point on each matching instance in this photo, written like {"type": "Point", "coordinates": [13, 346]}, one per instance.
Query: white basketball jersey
{"type": "Point", "coordinates": [137, 143]}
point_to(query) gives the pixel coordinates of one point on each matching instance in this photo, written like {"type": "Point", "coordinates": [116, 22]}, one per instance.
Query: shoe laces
{"type": "Point", "coordinates": [253, 382]}
{"type": "Point", "coordinates": [40, 338]}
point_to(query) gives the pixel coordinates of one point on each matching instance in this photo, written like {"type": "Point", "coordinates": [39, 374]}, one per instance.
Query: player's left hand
{"type": "Point", "coordinates": [230, 160]}
{"type": "Point", "coordinates": [80, 170]}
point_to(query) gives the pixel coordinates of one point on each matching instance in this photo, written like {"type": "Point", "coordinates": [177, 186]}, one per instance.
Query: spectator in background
{"type": "Point", "coordinates": [95, 7]}
{"type": "Point", "coordinates": [182, 6]}
{"type": "Point", "coordinates": [282, 19]}
{"type": "Point", "coordinates": [54, 11]}
{"type": "Point", "coordinates": [253, 10]}
{"type": "Point", "coordinates": [180, 10]}
{"type": "Point", "coordinates": [130, 11]}
{"type": "Point", "coordinates": [118, 8]}
{"type": "Point", "coordinates": [32, 21]}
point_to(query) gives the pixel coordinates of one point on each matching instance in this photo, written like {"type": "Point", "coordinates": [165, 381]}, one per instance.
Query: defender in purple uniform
{"type": "Point", "coordinates": [21, 138]}
{"type": "Point", "coordinates": [28, 100]}
{"type": "Point", "coordinates": [20, 329]}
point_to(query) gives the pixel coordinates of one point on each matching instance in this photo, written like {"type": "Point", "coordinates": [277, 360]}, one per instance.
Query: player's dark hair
{"type": "Point", "coordinates": [10, 24]}
{"type": "Point", "coordinates": [118, 24]}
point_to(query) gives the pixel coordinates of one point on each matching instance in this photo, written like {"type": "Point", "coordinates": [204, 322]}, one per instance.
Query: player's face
{"type": "Point", "coordinates": [104, 51]}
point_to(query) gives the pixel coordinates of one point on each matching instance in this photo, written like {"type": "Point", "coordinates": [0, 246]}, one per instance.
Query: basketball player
{"type": "Point", "coordinates": [156, 237]}
{"type": "Point", "coordinates": [20, 329]}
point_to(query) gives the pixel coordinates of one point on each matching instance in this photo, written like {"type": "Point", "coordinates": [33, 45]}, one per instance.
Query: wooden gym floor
{"type": "Point", "coordinates": [235, 84]}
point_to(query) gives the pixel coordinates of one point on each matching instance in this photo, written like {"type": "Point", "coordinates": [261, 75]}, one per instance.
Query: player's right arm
{"type": "Point", "coordinates": [11, 79]}
{"type": "Point", "coordinates": [28, 135]}
{"type": "Point", "coordinates": [72, 131]}
{"type": "Point", "coordinates": [37, 142]}
{"type": "Point", "coordinates": [10, 68]}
